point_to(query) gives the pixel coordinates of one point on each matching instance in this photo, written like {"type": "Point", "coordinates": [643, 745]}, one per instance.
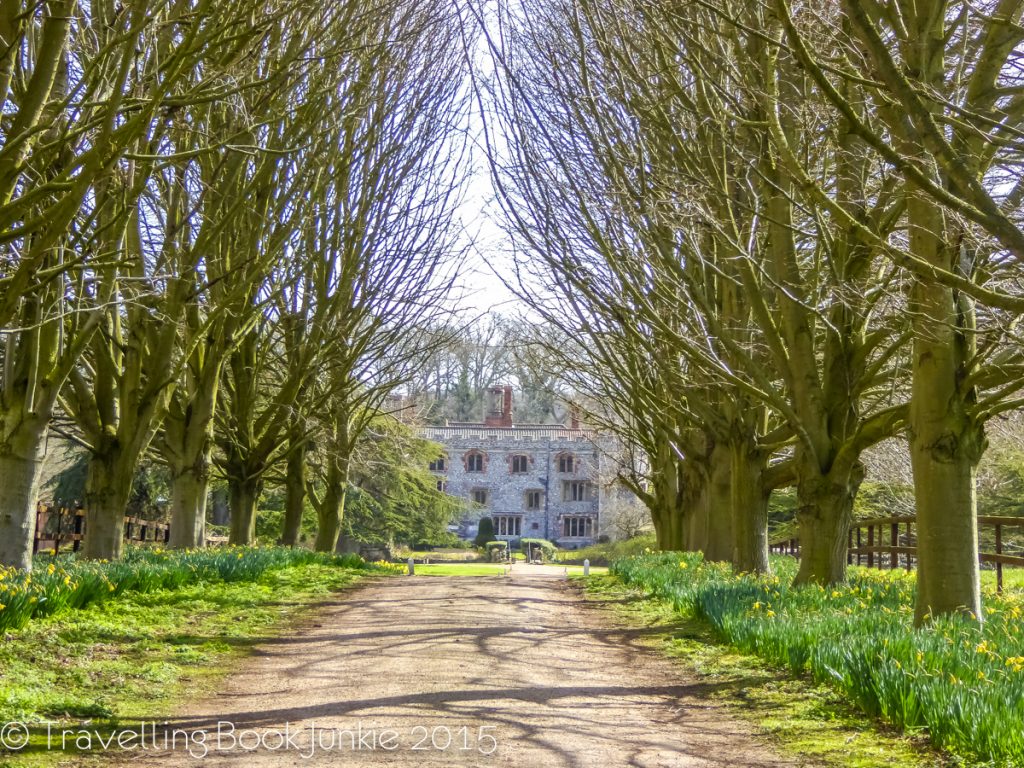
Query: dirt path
{"type": "Point", "coordinates": [516, 667]}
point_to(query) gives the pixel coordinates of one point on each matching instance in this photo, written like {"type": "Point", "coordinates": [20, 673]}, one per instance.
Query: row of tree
{"type": "Point", "coordinates": [227, 233]}
{"type": "Point", "coordinates": [765, 235]}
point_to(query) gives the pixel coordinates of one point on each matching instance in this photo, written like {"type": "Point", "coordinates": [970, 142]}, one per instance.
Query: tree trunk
{"type": "Point", "coordinates": [21, 461]}
{"type": "Point", "coordinates": [697, 525]}
{"type": "Point", "coordinates": [945, 441]}
{"type": "Point", "coordinates": [749, 509]}
{"type": "Point", "coordinates": [329, 522]}
{"type": "Point", "coordinates": [295, 496]}
{"type": "Point", "coordinates": [945, 446]}
{"type": "Point", "coordinates": [331, 509]}
{"type": "Point", "coordinates": [107, 487]}
{"type": "Point", "coordinates": [243, 496]}
{"type": "Point", "coordinates": [661, 535]}
{"type": "Point", "coordinates": [824, 514]}
{"type": "Point", "coordinates": [719, 504]}
{"type": "Point", "coordinates": [221, 512]}
{"type": "Point", "coordinates": [673, 511]}
{"type": "Point", "coordinates": [188, 508]}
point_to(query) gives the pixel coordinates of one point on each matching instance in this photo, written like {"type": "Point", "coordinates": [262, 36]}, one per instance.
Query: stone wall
{"type": "Point", "coordinates": [507, 491]}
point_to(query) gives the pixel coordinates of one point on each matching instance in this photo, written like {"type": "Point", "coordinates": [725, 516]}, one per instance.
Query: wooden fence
{"type": "Point", "coordinates": [891, 542]}
{"type": "Point", "coordinates": [58, 528]}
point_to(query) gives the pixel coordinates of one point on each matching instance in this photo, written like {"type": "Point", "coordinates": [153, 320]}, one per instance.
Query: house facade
{"type": "Point", "coordinates": [533, 480]}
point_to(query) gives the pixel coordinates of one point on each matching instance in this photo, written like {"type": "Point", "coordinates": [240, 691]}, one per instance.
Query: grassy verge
{"type": "Point", "coordinates": [63, 583]}
{"type": "Point", "coordinates": [493, 569]}
{"type": "Point", "coordinates": [461, 569]}
{"type": "Point", "coordinates": [802, 718]}
{"type": "Point", "coordinates": [604, 554]}
{"type": "Point", "coordinates": [135, 658]}
{"type": "Point", "coordinates": [959, 683]}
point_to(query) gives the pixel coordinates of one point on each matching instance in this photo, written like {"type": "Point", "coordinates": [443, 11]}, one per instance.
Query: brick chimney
{"type": "Point", "coordinates": [499, 407]}
{"type": "Point", "coordinates": [506, 414]}
{"type": "Point", "coordinates": [574, 417]}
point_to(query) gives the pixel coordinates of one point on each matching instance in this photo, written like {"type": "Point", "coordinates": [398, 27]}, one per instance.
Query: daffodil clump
{"type": "Point", "coordinates": [960, 682]}
{"type": "Point", "coordinates": [65, 582]}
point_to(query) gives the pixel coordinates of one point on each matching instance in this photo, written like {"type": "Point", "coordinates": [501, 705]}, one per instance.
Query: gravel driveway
{"type": "Point", "coordinates": [437, 671]}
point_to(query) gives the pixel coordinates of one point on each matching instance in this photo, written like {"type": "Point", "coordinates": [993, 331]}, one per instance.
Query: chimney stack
{"type": "Point", "coordinates": [574, 417]}
{"type": "Point", "coordinates": [499, 407]}
{"type": "Point", "coordinates": [506, 414]}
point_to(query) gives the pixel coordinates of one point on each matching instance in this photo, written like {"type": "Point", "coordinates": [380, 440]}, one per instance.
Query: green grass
{"type": "Point", "coordinates": [604, 554]}
{"type": "Point", "coordinates": [802, 718]}
{"type": "Point", "coordinates": [492, 569]}
{"type": "Point", "coordinates": [135, 658]}
{"type": "Point", "coordinates": [1013, 579]}
{"type": "Point", "coordinates": [461, 569]}
{"type": "Point", "coordinates": [62, 583]}
{"type": "Point", "coordinates": [960, 683]}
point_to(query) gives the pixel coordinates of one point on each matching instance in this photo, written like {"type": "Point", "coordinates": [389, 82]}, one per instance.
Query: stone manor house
{"type": "Point", "coordinates": [533, 480]}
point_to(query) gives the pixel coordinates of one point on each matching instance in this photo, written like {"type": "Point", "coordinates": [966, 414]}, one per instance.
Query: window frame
{"type": "Point", "coordinates": [566, 463]}
{"type": "Point", "coordinates": [575, 490]}
{"type": "Point", "coordinates": [578, 527]}
{"type": "Point", "coordinates": [508, 525]}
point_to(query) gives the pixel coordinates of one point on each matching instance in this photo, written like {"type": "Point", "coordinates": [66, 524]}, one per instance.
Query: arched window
{"type": "Point", "coordinates": [440, 464]}
{"type": "Point", "coordinates": [474, 461]}
{"type": "Point", "coordinates": [566, 463]}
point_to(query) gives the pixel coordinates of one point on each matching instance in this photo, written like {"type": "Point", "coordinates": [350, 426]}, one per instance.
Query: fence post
{"type": "Point", "coordinates": [871, 546]}
{"type": "Point", "coordinates": [40, 523]}
{"type": "Point", "coordinates": [999, 551]}
{"type": "Point", "coordinates": [79, 529]}
{"type": "Point", "coordinates": [849, 547]}
{"type": "Point", "coordinates": [909, 540]}
{"type": "Point", "coordinates": [858, 545]}
{"type": "Point", "coordinates": [894, 540]}
{"type": "Point", "coordinates": [56, 536]}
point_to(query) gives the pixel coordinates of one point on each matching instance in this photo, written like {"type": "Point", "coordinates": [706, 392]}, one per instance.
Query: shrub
{"type": "Point", "coordinates": [485, 532]}
{"type": "Point", "coordinates": [497, 550]}
{"type": "Point", "coordinates": [547, 549]}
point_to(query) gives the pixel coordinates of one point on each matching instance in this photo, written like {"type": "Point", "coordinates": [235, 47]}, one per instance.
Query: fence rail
{"type": "Point", "coordinates": [891, 542]}
{"type": "Point", "coordinates": [58, 527]}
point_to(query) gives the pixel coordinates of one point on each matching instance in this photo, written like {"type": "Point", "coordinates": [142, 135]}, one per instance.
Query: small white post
{"type": "Point", "coordinates": [586, 567]}
{"type": "Point", "coordinates": [412, 568]}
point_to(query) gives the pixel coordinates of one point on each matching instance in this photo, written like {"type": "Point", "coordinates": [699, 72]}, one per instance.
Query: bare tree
{"type": "Point", "coordinates": [90, 94]}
